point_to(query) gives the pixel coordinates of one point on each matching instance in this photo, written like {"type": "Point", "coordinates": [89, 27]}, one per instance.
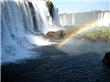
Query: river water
{"type": "Point", "coordinates": [75, 61]}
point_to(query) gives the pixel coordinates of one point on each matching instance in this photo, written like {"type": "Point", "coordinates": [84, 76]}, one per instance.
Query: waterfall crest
{"type": "Point", "coordinates": [83, 18]}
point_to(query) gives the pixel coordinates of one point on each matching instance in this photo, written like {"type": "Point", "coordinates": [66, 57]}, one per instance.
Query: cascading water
{"type": "Point", "coordinates": [22, 22]}
{"type": "Point", "coordinates": [104, 19]}
{"type": "Point", "coordinates": [55, 18]}
{"type": "Point", "coordinates": [83, 18]}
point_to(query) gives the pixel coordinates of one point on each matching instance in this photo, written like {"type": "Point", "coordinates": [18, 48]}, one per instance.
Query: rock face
{"type": "Point", "coordinates": [50, 7]}
{"type": "Point", "coordinates": [106, 59]}
{"type": "Point", "coordinates": [54, 17]}
{"type": "Point", "coordinates": [55, 35]}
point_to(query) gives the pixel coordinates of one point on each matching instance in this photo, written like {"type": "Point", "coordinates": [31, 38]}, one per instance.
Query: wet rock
{"type": "Point", "coordinates": [50, 7]}
{"type": "Point", "coordinates": [55, 35]}
{"type": "Point", "coordinates": [106, 59]}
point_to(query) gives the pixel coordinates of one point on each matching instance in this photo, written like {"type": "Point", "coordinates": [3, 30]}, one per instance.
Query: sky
{"type": "Point", "coordinates": [74, 6]}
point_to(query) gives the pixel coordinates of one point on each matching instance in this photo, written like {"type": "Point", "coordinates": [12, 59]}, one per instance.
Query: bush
{"type": "Point", "coordinates": [99, 34]}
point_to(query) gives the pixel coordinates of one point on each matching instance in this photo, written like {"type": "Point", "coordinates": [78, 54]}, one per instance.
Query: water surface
{"type": "Point", "coordinates": [75, 61]}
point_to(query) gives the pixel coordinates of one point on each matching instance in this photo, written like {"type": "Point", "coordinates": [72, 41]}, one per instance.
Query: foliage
{"type": "Point", "coordinates": [98, 34]}
{"type": "Point", "coordinates": [50, 6]}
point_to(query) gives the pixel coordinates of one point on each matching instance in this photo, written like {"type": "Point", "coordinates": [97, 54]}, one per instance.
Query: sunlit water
{"type": "Point", "coordinates": [75, 46]}
{"type": "Point", "coordinates": [22, 22]}
{"type": "Point", "coordinates": [77, 60]}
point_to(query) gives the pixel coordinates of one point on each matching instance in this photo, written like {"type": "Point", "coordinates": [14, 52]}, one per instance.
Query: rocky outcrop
{"type": "Point", "coordinates": [55, 35]}
{"type": "Point", "coordinates": [106, 59]}
{"type": "Point", "coordinates": [54, 17]}
{"type": "Point", "coordinates": [50, 7]}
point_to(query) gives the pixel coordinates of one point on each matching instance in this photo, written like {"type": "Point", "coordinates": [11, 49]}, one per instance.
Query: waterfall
{"type": "Point", "coordinates": [83, 18]}
{"type": "Point", "coordinates": [55, 17]}
{"type": "Point", "coordinates": [22, 23]}
{"type": "Point", "coordinates": [103, 19]}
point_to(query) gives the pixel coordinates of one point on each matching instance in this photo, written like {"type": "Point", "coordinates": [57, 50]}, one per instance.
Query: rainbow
{"type": "Point", "coordinates": [72, 33]}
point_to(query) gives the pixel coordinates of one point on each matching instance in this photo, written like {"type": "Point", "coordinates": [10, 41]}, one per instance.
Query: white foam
{"type": "Point", "coordinates": [18, 29]}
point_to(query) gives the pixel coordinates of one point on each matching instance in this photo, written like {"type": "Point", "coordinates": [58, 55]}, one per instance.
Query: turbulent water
{"type": "Point", "coordinates": [77, 60]}
{"type": "Point", "coordinates": [22, 22]}
{"type": "Point", "coordinates": [103, 19]}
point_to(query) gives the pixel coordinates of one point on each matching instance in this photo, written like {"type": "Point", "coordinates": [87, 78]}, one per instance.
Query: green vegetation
{"type": "Point", "coordinates": [98, 34]}
{"type": "Point", "coordinates": [55, 34]}
{"type": "Point", "coordinates": [50, 6]}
